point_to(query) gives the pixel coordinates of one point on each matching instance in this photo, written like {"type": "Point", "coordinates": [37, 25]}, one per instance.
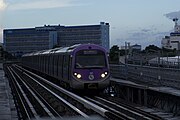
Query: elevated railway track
{"type": "Point", "coordinates": [37, 98]}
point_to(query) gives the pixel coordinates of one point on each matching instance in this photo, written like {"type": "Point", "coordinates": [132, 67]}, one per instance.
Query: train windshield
{"type": "Point", "coordinates": [90, 59]}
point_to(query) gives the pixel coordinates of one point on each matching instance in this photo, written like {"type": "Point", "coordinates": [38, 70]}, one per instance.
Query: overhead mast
{"type": "Point", "coordinates": [175, 20]}
{"type": "Point", "coordinates": [176, 27]}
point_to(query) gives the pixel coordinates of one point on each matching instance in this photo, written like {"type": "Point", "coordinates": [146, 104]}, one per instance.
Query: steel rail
{"type": "Point", "coordinates": [147, 115]}
{"type": "Point", "coordinates": [137, 112]}
{"type": "Point", "coordinates": [45, 109]}
{"type": "Point", "coordinates": [60, 98]}
{"type": "Point", "coordinates": [48, 106]}
{"type": "Point", "coordinates": [118, 113]}
{"type": "Point", "coordinates": [89, 105]}
{"type": "Point", "coordinates": [28, 110]}
{"type": "Point", "coordinates": [86, 103]}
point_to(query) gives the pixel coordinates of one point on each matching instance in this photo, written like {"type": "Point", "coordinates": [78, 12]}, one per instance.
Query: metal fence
{"type": "Point", "coordinates": [145, 74]}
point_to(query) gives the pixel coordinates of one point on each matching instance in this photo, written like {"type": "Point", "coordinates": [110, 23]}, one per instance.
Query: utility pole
{"type": "Point", "coordinates": [126, 66]}
{"type": "Point", "coordinates": [125, 52]}
{"type": "Point", "coordinates": [119, 56]}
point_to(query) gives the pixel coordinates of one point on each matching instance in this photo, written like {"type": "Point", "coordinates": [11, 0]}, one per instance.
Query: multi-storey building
{"type": "Point", "coordinates": [172, 41]}
{"type": "Point", "coordinates": [97, 34]}
{"type": "Point", "coordinates": [20, 41]}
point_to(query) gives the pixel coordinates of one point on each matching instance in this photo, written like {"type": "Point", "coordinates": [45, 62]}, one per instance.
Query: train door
{"type": "Point", "coordinates": [51, 65]}
{"type": "Point", "coordinates": [47, 64]}
{"type": "Point", "coordinates": [70, 67]}
{"type": "Point", "coordinates": [60, 66]}
{"type": "Point", "coordinates": [66, 67]}
{"type": "Point", "coordinates": [41, 63]}
{"type": "Point", "coordinates": [56, 60]}
{"type": "Point", "coordinates": [37, 62]}
{"type": "Point", "coordinates": [44, 63]}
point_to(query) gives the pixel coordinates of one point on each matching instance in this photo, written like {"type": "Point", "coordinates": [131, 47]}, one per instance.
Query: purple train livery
{"type": "Point", "coordinates": [81, 66]}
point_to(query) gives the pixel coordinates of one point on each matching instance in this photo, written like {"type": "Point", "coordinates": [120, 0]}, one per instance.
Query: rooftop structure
{"type": "Point", "coordinates": [172, 41]}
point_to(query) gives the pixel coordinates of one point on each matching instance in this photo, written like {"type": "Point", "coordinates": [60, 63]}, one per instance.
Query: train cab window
{"type": "Point", "coordinates": [90, 59]}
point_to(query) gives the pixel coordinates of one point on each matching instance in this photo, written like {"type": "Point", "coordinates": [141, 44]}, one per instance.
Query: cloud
{"type": "Point", "coordinates": [172, 15]}
{"type": "Point", "coordinates": [146, 30]}
{"type": "Point", "coordinates": [142, 36]}
{"type": "Point", "coordinates": [2, 5]}
{"type": "Point", "coordinates": [146, 38]}
{"type": "Point", "coordinates": [41, 4]}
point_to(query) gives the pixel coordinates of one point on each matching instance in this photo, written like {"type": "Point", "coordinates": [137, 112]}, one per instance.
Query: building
{"type": "Point", "coordinates": [126, 47]}
{"type": "Point", "coordinates": [21, 41]}
{"type": "Point", "coordinates": [1, 51]}
{"type": "Point", "coordinates": [97, 34]}
{"type": "Point", "coordinates": [131, 48]}
{"type": "Point", "coordinates": [136, 48]}
{"type": "Point", "coordinates": [172, 41]}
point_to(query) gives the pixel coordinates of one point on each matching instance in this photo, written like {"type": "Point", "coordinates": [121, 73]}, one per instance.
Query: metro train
{"type": "Point", "coordinates": [81, 66]}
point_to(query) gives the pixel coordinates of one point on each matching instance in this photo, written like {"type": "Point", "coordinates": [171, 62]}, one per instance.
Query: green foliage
{"type": "Point", "coordinates": [163, 52]}
{"type": "Point", "coordinates": [55, 46]}
{"type": "Point", "coordinates": [7, 55]}
{"type": "Point", "coordinates": [114, 52]}
{"type": "Point", "coordinates": [122, 52]}
{"type": "Point", "coordinates": [152, 48]}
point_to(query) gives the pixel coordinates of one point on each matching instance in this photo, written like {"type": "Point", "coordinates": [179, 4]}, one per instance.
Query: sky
{"type": "Point", "coordinates": [142, 22]}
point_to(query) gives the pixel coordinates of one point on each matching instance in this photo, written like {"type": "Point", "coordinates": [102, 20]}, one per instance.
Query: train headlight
{"type": "Point", "coordinates": [103, 75]}
{"type": "Point", "coordinates": [77, 75]}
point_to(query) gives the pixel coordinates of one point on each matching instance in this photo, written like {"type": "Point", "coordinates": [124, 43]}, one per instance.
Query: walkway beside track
{"type": "Point", "coordinates": [7, 106]}
{"type": "Point", "coordinates": [160, 89]}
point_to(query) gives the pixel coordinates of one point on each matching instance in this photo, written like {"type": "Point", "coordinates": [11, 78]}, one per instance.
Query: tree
{"type": "Point", "coordinates": [152, 48]}
{"type": "Point", "coordinates": [55, 46]}
{"type": "Point", "coordinates": [114, 52]}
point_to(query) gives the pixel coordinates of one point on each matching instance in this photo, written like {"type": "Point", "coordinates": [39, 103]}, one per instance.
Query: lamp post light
{"type": "Point", "coordinates": [125, 52]}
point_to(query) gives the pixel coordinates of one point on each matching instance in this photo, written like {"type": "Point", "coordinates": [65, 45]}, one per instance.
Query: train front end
{"type": "Point", "coordinates": [90, 68]}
